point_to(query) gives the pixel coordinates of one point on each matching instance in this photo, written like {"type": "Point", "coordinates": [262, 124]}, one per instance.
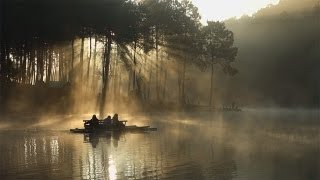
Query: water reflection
{"type": "Point", "coordinates": [95, 138]}
{"type": "Point", "coordinates": [97, 163]}
{"type": "Point", "coordinates": [112, 170]}
{"type": "Point", "coordinates": [216, 148]}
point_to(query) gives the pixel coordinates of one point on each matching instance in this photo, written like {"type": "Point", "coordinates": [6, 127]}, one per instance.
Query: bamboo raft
{"type": "Point", "coordinates": [107, 128]}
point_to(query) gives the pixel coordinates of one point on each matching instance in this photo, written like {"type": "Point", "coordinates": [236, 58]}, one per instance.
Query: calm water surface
{"type": "Point", "coordinates": [247, 145]}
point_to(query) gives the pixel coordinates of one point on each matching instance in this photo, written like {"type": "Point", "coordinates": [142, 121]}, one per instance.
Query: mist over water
{"type": "Point", "coordinates": [254, 144]}
{"type": "Point", "coordinates": [230, 100]}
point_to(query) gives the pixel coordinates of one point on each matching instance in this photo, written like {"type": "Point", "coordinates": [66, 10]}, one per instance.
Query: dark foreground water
{"type": "Point", "coordinates": [247, 145]}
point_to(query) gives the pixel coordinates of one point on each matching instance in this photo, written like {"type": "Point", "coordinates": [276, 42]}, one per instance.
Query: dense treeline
{"type": "Point", "coordinates": [281, 45]}
{"type": "Point", "coordinates": [89, 44]}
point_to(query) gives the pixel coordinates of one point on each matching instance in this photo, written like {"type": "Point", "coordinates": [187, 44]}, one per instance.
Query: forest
{"type": "Point", "coordinates": [107, 55]}
{"type": "Point", "coordinates": [84, 55]}
{"type": "Point", "coordinates": [278, 59]}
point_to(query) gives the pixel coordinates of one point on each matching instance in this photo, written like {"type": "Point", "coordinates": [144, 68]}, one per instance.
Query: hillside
{"type": "Point", "coordinates": [278, 55]}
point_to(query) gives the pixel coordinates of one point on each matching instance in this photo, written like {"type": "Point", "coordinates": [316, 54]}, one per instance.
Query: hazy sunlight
{"type": "Point", "coordinates": [222, 10]}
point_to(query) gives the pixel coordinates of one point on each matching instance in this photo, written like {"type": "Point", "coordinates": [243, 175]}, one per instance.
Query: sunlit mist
{"type": "Point", "coordinates": [160, 89]}
{"type": "Point", "coordinates": [219, 10]}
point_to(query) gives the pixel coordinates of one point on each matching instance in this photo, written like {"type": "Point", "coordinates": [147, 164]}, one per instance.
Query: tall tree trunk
{"type": "Point", "coordinates": [24, 64]}
{"type": "Point", "coordinates": [61, 71]}
{"type": "Point", "coordinates": [20, 68]}
{"type": "Point", "coordinates": [33, 72]}
{"type": "Point", "coordinates": [211, 87]}
{"type": "Point", "coordinates": [119, 84]}
{"type": "Point", "coordinates": [161, 83]}
{"type": "Point", "coordinates": [134, 66]}
{"type": "Point", "coordinates": [157, 69]}
{"type": "Point", "coordinates": [165, 80]}
{"type": "Point", "coordinates": [94, 63]}
{"type": "Point", "coordinates": [145, 72]}
{"type": "Point", "coordinates": [150, 81]}
{"type": "Point", "coordinates": [45, 63]}
{"type": "Point", "coordinates": [32, 79]}
{"type": "Point", "coordinates": [81, 58]}
{"type": "Point", "coordinates": [2, 71]}
{"type": "Point", "coordinates": [71, 71]}
{"type": "Point", "coordinates": [2, 52]}
{"type": "Point", "coordinates": [183, 93]}
{"type": "Point", "coordinates": [179, 85]}
{"type": "Point", "coordinates": [90, 45]}
{"type": "Point", "coordinates": [40, 62]}
{"type": "Point", "coordinates": [49, 70]}
{"type": "Point", "coordinates": [108, 47]}
{"type": "Point", "coordinates": [116, 75]}
{"type": "Point", "coordinates": [2, 60]}
{"type": "Point", "coordinates": [31, 58]}
{"type": "Point", "coordinates": [88, 68]}
{"type": "Point", "coordinates": [129, 83]}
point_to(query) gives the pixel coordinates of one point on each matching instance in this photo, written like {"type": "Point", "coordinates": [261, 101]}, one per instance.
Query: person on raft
{"type": "Point", "coordinates": [116, 122]}
{"type": "Point", "coordinates": [115, 118]}
{"type": "Point", "coordinates": [107, 121]}
{"type": "Point", "coordinates": [94, 122]}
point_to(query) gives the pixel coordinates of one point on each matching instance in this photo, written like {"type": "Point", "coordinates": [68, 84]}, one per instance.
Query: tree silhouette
{"type": "Point", "coordinates": [52, 40]}
{"type": "Point", "coordinates": [218, 49]}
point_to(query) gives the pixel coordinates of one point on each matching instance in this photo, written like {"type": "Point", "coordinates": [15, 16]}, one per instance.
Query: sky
{"type": "Point", "coordinates": [225, 9]}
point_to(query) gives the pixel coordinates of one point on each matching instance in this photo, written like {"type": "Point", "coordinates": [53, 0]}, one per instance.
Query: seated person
{"type": "Point", "coordinates": [107, 121]}
{"type": "Point", "coordinates": [116, 122]}
{"type": "Point", "coordinates": [94, 121]}
{"type": "Point", "coordinates": [115, 118]}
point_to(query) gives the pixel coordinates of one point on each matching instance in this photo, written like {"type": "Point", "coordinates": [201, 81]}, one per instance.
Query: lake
{"type": "Point", "coordinates": [254, 144]}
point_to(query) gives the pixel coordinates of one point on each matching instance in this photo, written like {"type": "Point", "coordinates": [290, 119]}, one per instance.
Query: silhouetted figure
{"type": "Point", "coordinates": [115, 118]}
{"type": "Point", "coordinates": [115, 121]}
{"type": "Point", "coordinates": [94, 121]}
{"type": "Point", "coordinates": [116, 138]}
{"type": "Point", "coordinates": [107, 121]}
{"type": "Point", "coordinates": [94, 140]}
